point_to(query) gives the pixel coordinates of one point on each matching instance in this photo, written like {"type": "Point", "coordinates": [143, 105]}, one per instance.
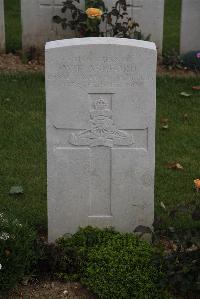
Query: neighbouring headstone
{"type": "Point", "coordinates": [190, 26]}
{"type": "Point", "coordinates": [100, 100]}
{"type": "Point", "coordinates": [2, 27]}
{"type": "Point", "coordinates": [150, 16]}
{"type": "Point", "coordinates": [37, 24]}
{"type": "Point", "coordinates": [38, 28]}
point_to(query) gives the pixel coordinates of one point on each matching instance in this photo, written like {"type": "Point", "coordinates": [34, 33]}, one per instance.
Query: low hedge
{"type": "Point", "coordinates": [123, 268]}
{"type": "Point", "coordinates": [111, 264]}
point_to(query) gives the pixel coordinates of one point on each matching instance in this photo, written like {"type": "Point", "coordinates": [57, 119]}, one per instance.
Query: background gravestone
{"type": "Point", "coordinates": [190, 26]}
{"type": "Point", "coordinates": [150, 16]}
{"type": "Point", "coordinates": [2, 27]}
{"type": "Point", "coordinates": [37, 25]}
{"type": "Point", "coordinates": [100, 96]}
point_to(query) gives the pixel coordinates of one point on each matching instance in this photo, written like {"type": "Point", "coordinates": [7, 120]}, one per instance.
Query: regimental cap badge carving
{"type": "Point", "coordinates": [102, 131]}
{"type": "Point", "coordinates": [100, 104]}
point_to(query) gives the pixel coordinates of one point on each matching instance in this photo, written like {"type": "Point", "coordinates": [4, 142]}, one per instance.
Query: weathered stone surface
{"type": "Point", "coordinates": [37, 25]}
{"type": "Point", "coordinates": [150, 16]}
{"type": "Point", "coordinates": [190, 26]}
{"type": "Point", "coordinates": [100, 95]}
{"type": "Point", "coordinates": [2, 27]}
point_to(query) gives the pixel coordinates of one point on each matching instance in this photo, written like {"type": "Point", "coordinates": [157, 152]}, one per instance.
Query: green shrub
{"type": "Point", "coordinates": [16, 251]}
{"type": "Point", "coordinates": [116, 21]}
{"type": "Point", "coordinates": [191, 60]}
{"type": "Point", "coordinates": [182, 264]}
{"type": "Point", "coordinates": [110, 264]}
{"type": "Point", "coordinates": [123, 268]}
{"type": "Point", "coordinates": [72, 251]}
{"type": "Point", "coordinates": [172, 60]}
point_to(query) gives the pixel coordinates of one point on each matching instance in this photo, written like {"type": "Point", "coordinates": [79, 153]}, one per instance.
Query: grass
{"type": "Point", "coordinates": [171, 25]}
{"type": "Point", "coordinates": [12, 25]}
{"type": "Point", "coordinates": [23, 149]}
{"type": "Point", "coordinates": [179, 143]}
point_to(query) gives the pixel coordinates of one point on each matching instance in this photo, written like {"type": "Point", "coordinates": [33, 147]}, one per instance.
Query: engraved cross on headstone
{"type": "Point", "coordinates": [102, 137]}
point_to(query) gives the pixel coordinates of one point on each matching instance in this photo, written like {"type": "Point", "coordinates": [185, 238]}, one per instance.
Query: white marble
{"type": "Point", "coordinates": [100, 117]}
{"type": "Point", "coordinates": [2, 27]}
{"type": "Point", "coordinates": [190, 26]}
{"type": "Point", "coordinates": [37, 25]}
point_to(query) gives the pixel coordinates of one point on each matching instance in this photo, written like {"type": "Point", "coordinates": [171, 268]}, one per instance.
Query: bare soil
{"type": "Point", "coordinates": [50, 290]}
{"type": "Point", "coordinates": [162, 70]}
{"type": "Point", "coordinates": [14, 63]}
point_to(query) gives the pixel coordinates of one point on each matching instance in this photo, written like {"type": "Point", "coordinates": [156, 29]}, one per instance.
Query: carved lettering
{"type": "Point", "coordinates": [104, 71]}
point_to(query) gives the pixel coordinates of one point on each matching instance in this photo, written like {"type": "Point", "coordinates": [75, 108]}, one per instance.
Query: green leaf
{"type": "Point", "coordinates": [16, 190]}
{"type": "Point", "coordinates": [162, 205]}
{"type": "Point", "coordinates": [165, 127]}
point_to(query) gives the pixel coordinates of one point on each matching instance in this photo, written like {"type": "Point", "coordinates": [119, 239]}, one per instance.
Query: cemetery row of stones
{"type": "Point", "coordinates": [100, 123]}
{"type": "Point", "coordinates": [37, 25]}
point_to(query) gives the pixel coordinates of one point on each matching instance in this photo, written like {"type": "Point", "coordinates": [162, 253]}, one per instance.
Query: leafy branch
{"type": "Point", "coordinates": [96, 20]}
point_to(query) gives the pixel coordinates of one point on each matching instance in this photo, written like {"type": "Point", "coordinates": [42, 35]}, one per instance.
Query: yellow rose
{"type": "Point", "coordinates": [197, 183]}
{"type": "Point", "coordinates": [94, 12]}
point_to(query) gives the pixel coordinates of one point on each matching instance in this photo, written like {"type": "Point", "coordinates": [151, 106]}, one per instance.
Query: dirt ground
{"type": "Point", "coordinates": [14, 63]}
{"type": "Point", "coordinates": [50, 290]}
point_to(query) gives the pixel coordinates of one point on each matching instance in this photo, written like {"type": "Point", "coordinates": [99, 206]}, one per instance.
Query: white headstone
{"type": "Point", "coordinates": [150, 16]}
{"type": "Point", "coordinates": [190, 26]}
{"type": "Point", "coordinates": [37, 24]}
{"type": "Point", "coordinates": [100, 100]}
{"type": "Point", "coordinates": [2, 27]}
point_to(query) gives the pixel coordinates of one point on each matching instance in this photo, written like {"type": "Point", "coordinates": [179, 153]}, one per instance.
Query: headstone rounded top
{"type": "Point", "coordinates": [100, 41]}
{"type": "Point", "coordinates": [100, 115]}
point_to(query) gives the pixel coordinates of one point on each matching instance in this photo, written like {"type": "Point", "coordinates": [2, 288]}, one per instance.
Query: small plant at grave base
{"type": "Point", "coordinates": [72, 251]}
{"type": "Point", "coordinates": [191, 60]}
{"type": "Point", "coordinates": [96, 20]}
{"type": "Point", "coordinates": [172, 60]}
{"type": "Point", "coordinates": [182, 262]}
{"type": "Point", "coordinates": [110, 264]}
{"type": "Point", "coordinates": [32, 56]}
{"type": "Point", "coordinates": [16, 251]}
{"type": "Point", "coordinates": [123, 268]}
{"type": "Point", "coordinates": [181, 258]}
